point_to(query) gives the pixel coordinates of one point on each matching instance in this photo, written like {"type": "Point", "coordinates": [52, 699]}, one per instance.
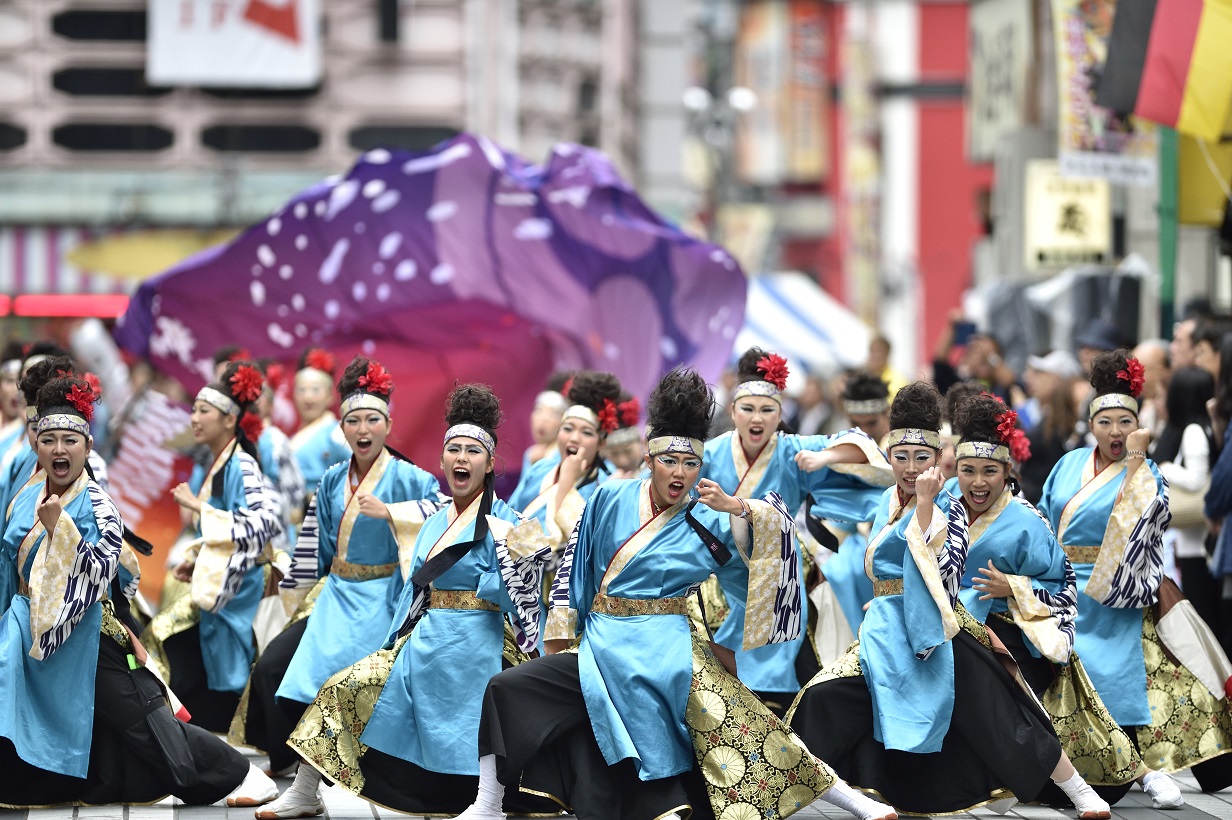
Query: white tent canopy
{"type": "Point", "coordinates": [789, 314]}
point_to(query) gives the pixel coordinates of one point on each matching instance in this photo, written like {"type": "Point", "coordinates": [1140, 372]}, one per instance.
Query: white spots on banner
{"type": "Point", "coordinates": [332, 265]}
{"type": "Point", "coordinates": [389, 245]}
{"type": "Point", "coordinates": [441, 274]}
{"type": "Point", "coordinates": [406, 270]}
{"type": "Point", "coordinates": [265, 255]}
{"type": "Point", "coordinates": [332, 309]}
{"type": "Point", "coordinates": [533, 229]}
{"type": "Point", "coordinates": [257, 291]}
{"type": "Point", "coordinates": [385, 201]}
{"type": "Point", "coordinates": [440, 211]}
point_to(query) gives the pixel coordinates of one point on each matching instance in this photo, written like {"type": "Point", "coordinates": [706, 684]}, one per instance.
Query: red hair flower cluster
{"type": "Point", "coordinates": [319, 359]}
{"type": "Point", "coordinates": [377, 380]}
{"type": "Point", "coordinates": [1135, 374]}
{"type": "Point", "coordinates": [252, 425]}
{"type": "Point", "coordinates": [246, 383]}
{"type": "Point", "coordinates": [773, 369]}
{"type": "Point", "coordinates": [608, 420]}
{"type": "Point", "coordinates": [630, 412]}
{"type": "Point", "coordinates": [82, 398]}
{"type": "Point", "coordinates": [275, 375]}
{"type": "Point", "coordinates": [95, 384]}
{"type": "Point", "coordinates": [1012, 436]}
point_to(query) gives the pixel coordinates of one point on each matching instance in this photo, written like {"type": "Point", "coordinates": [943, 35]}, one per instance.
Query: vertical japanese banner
{"type": "Point", "coordinates": [761, 66]}
{"type": "Point", "coordinates": [241, 43]}
{"type": "Point", "coordinates": [807, 109]}
{"type": "Point", "coordinates": [1095, 141]}
{"type": "Point", "coordinates": [1000, 52]}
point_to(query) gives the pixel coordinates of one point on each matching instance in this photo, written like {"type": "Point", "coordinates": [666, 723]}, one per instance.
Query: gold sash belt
{"type": "Point", "coordinates": [625, 607]}
{"type": "Point", "coordinates": [459, 599]}
{"type": "Point", "coordinates": [361, 572]}
{"type": "Point", "coordinates": [893, 586]}
{"type": "Point", "coordinates": [1082, 555]}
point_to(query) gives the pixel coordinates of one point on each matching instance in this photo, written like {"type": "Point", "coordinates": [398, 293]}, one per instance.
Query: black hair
{"type": "Point", "coordinates": [558, 380]}
{"type": "Point", "coordinates": [916, 405]}
{"type": "Point", "coordinates": [976, 418]}
{"type": "Point", "coordinates": [53, 395]}
{"type": "Point", "coordinates": [864, 386]}
{"type": "Point", "coordinates": [225, 387]}
{"type": "Point", "coordinates": [13, 349]}
{"type": "Point", "coordinates": [349, 383]}
{"type": "Point", "coordinates": [959, 392]}
{"type": "Point", "coordinates": [44, 349]}
{"type": "Point", "coordinates": [746, 368]}
{"type": "Point", "coordinates": [1104, 368]}
{"type": "Point", "coordinates": [1212, 330]}
{"type": "Point", "coordinates": [590, 387]}
{"type": "Point", "coordinates": [473, 404]}
{"type": "Point", "coordinates": [682, 404]}
{"type": "Point", "coordinates": [1186, 404]}
{"type": "Point", "coordinates": [42, 372]}
{"type": "Point", "coordinates": [227, 353]}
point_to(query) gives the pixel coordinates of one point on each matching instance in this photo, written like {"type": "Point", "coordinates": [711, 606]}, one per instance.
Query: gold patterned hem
{"type": "Point", "coordinates": [460, 599]}
{"type": "Point", "coordinates": [891, 586]}
{"type": "Point", "coordinates": [1081, 555]}
{"type": "Point", "coordinates": [361, 572]}
{"type": "Point", "coordinates": [1189, 725]}
{"type": "Point", "coordinates": [237, 734]}
{"type": "Point", "coordinates": [750, 760]}
{"type": "Point", "coordinates": [709, 615]}
{"type": "Point", "coordinates": [305, 607]}
{"type": "Point", "coordinates": [112, 628]}
{"type": "Point", "coordinates": [630, 607]}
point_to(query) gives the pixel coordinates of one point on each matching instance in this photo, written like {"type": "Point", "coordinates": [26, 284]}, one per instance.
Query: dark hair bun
{"type": "Point", "coordinates": [746, 368]}
{"type": "Point", "coordinates": [958, 393]}
{"type": "Point", "coordinates": [682, 404]}
{"type": "Point", "coordinates": [43, 371]}
{"type": "Point", "coordinates": [228, 388]}
{"type": "Point", "coordinates": [864, 386]}
{"type": "Point", "coordinates": [918, 406]}
{"type": "Point", "coordinates": [975, 418]}
{"type": "Point", "coordinates": [590, 387]}
{"type": "Point", "coordinates": [1104, 367]}
{"type": "Point", "coordinates": [54, 394]}
{"type": "Point", "coordinates": [473, 404]}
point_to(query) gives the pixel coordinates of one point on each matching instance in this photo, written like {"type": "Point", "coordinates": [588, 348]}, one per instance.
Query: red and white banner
{"type": "Point", "coordinates": [248, 43]}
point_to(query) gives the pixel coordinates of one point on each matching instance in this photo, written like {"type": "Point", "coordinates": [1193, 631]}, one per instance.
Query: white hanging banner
{"type": "Point", "coordinates": [235, 43]}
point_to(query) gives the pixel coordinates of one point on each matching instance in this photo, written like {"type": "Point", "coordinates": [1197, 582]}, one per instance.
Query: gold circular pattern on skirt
{"type": "Point", "coordinates": [794, 798]}
{"type": "Point", "coordinates": [705, 711]}
{"type": "Point", "coordinates": [741, 811]}
{"type": "Point", "coordinates": [781, 750]}
{"type": "Point", "coordinates": [723, 766]}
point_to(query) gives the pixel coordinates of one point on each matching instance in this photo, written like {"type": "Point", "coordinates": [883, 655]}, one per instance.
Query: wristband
{"type": "Point", "coordinates": [1136, 454]}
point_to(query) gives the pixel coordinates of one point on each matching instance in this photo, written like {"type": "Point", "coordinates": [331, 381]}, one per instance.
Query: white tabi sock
{"type": "Point", "coordinates": [304, 786]}
{"type": "Point", "coordinates": [848, 799]}
{"type": "Point", "coordinates": [488, 803]}
{"type": "Point", "coordinates": [1085, 800]}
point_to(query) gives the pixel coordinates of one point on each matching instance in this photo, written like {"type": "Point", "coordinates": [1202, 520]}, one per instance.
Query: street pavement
{"type": "Point", "coordinates": [342, 805]}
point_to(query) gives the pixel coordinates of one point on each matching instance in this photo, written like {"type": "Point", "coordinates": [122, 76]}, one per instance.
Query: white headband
{"type": "Point", "coordinates": [912, 435]}
{"type": "Point", "coordinates": [675, 444]}
{"type": "Point", "coordinates": [219, 400]}
{"type": "Point", "coordinates": [364, 401]}
{"type": "Point", "coordinates": [472, 431]}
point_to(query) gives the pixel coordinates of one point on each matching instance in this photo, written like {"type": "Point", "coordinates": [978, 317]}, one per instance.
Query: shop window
{"type": "Point", "coordinates": [261, 138]}
{"type": "Point", "coordinates": [105, 82]}
{"type": "Point", "coordinates": [97, 24]}
{"type": "Point", "coordinates": [112, 137]}
{"type": "Point", "coordinates": [410, 137]}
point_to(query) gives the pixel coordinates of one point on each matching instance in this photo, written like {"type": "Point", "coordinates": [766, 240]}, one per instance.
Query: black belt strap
{"type": "Point", "coordinates": [718, 550]}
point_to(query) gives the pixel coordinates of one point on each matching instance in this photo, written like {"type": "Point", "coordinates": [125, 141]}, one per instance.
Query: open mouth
{"type": "Point", "coordinates": [675, 490]}
{"type": "Point", "coordinates": [571, 450]}
{"type": "Point", "coordinates": [363, 445]}
{"type": "Point", "coordinates": [1116, 447]}
{"type": "Point", "coordinates": [756, 432]}
{"type": "Point", "coordinates": [980, 497]}
{"type": "Point", "coordinates": [460, 476]}
{"type": "Point", "coordinates": [60, 467]}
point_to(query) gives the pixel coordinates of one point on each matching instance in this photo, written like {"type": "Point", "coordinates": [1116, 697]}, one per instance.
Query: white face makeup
{"type": "Point", "coordinates": [908, 461]}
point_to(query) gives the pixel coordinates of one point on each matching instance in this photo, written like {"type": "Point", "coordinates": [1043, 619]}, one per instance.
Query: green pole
{"type": "Point", "coordinates": [1168, 149]}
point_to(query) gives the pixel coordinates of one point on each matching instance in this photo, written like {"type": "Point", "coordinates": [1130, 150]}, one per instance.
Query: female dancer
{"type": "Point", "coordinates": [358, 530]}
{"type": "Point", "coordinates": [399, 726]}
{"type": "Point", "coordinates": [78, 726]}
{"type": "Point", "coordinates": [845, 474]}
{"type": "Point", "coordinates": [555, 489]}
{"type": "Point", "coordinates": [626, 727]}
{"type": "Point", "coordinates": [318, 444]}
{"type": "Point", "coordinates": [1019, 584]}
{"type": "Point", "coordinates": [203, 643]}
{"type": "Point", "coordinates": [919, 711]}
{"type": "Point", "coordinates": [1109, 508]}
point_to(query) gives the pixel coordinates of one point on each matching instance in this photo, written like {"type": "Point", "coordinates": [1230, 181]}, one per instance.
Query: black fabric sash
{"type": "Point", "coordinates": [818, 529]}
{"type": "Point", "coordinates": [718, 551]}
{"type": "Point", "coordinates": [439, 564]}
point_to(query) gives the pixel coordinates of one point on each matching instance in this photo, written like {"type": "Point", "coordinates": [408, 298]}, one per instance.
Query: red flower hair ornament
{"type": "Point", "coordinates": [1013, 437]}
{"type": "Point", "coordinates": [773, 369]}
{"type": "Point", "coordinates": [377, 380]}
{"type": "Point", "coordinates": [319, 359]}
{"type": "Point", "coordinates": [252, 425]}
{"type": "Point", "coordinates": [1135, 374]}
{"type": "Point", "coordinates": [630, 412]}
{"type": "Point", "coordinates": [95, 385]}
{"type": "Point", "coordinates": [246, 384]}
{"type": "Point", "coordinates": [274, 376]}
{"type": "Point", "coordinates": [608, 420]}
{"type": "Point", "coordinates": [82, 399]}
